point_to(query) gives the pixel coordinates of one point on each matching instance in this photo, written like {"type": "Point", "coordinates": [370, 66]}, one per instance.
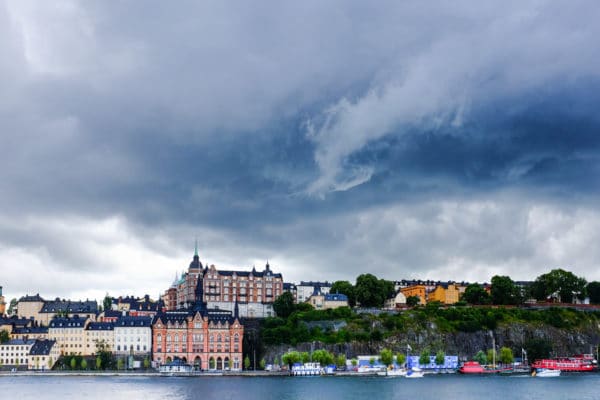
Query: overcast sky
{"type": "Point", "coordinates": [451, 140]}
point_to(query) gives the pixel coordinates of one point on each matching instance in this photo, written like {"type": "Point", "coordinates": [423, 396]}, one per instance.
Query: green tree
{"type": "Point", "coordinates": [440, 357]}
{"type": "Point", "coordinates": [372, 361]}
{"type": "Point", "coordinates": [506, 355]}
{"type": "Point", "coordinates": [284, 305]}
{"type": "Point", "coordinates": [73, 363]}
{"type": "Point", "coordinates": [475, 294]}
{"type": "Point", "coordinates": [481, 358]}
{"type": "Point", "coordinates": [354, 362]}
{"type": "Point", "coordinates": [323, 357]}
{"type": "Point", "coordinates": [340, 360]}
{"type": "Point", "coordinates": [120, 363]}
{"type": "Point", "coordinates": [400, 359]}
{"type": "Point", "coordinates": [276, 361]}
{"type": "Point", "coordinates": [4, 336]}
{"type": "Point", "coordinates": [246, 362]}
{"type": "Point", "coordinates": [412, 301]}
{"type": "Point", "coordinates": [98, 362]}
{"type": "Point", "coordinates": [561, 284]}
{"type": "Point", "coordinates": [83, 364]}
{"type": "Point", "coordinates": [146, 363]}
{"type": "Point", "coordinates": [262, 363]}
{"type": "Point", "coordinates": [290, 358]}
{"type": "Point", "coordinates": [372, 292]}
{"type": "Point", "coordinates": [504, 291]}
{"type": "Point", "coordinates": [50, 362]}
{"type": "Point", "coordinates": [386, 356]}
{"type": "Point", "coordinates": [305, 357]}
{"type": "Point", "coordinates": [593, 290]}
{"type": "Point", "coordinates": [424, 358]}
{"type": "Point", "coordinates": [107, 302]}
{"type": "Point", "coordinates": [344, 287]}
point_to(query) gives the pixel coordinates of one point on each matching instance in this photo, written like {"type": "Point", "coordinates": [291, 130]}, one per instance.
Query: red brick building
{"type": "Point", "coordinates": [209, 339]}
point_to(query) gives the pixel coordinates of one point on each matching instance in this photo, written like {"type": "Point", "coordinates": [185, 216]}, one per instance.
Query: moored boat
{"type": "Point", "coordinates": [307, 369]}
{"type": "Point", "coordinates": [414, 373]}
{"type": "Point", "coordinates": [473, 367]}
{"type": "Point", "coordinates": [393, 372]}
{"type": "Point", "coordinates": [578, 363]}
{"type": "Point", "coordinates": [545, 373]}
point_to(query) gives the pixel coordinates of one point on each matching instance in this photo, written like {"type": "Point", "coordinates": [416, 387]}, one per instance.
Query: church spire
{"type": "Point", "coordinates": [196, 248]}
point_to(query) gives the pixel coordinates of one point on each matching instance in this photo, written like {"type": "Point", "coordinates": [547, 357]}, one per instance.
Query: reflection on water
{"type": "Point", "coordinates": [580, 387]}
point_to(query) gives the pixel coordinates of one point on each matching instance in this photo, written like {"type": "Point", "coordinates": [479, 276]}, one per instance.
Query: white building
{"type": "Point", "coordinates": [306, 289]}
{"type": "Point", "coordinates": [16, 352]}
{"type": "Point", "coordinates": [43, 354]}
{"type": "Point", "coordinates": [133, 335]}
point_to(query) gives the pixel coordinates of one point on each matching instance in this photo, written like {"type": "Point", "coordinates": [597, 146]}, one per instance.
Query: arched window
{"type": "Point", "coordinates": [218, 338]}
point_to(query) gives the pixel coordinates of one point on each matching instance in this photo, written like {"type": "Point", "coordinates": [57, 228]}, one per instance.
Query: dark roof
{"type": "Point", "coordinates": [138, 303]}
{"type": "Point", "coordinates": [16, 321]}
{"type": "Point", "coordinates": [75, 322]}
{"type": "Point", "coordinates": [113, 314]}
{"type": "Point", "coordinates": [289, 286]}
{"type": "Point", "coordinates": [28, 298]}
{"type": "Point", "coordinates": [19, 342]}
{"type": "Point", "coordinates": [315, 284]}
{"type": "Point", "coordinates": [181, 316]}
{"type": "Point", "coordinates": [100, 326]}
{"type": "Point", "coordinates": [336, 297]}
{"type": "Point", "coordinates": [30, 330]}
{"type": "Point", "coordinates": [68, 306]}
{"type": "Point", "coordinates": [134, 321]}
{"type": "Point", "coordinates": [42, 347]}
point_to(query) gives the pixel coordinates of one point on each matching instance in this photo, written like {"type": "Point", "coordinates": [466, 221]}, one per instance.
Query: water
{"type": "Point", "coordinates": [579, 387]}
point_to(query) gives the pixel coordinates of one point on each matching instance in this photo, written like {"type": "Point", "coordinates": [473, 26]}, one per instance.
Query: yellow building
{"type": "Point", "coordinates": [99, 334]}
{"type": "Point", "coordinates": [30, 307]}
{"type": "Point", "coordinates": [43, 355]}
{"type": "Point", "coordinates": [69, 334]}
{"type": "Point", "coordinates": [445, 294]}
{"type": "Point", "coordinates": [415, 290]}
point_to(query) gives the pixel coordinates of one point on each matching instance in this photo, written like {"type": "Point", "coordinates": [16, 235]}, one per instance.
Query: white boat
{"type": "Point", "coordinates": [307, 369]}
{"type": "Point", "coordinates": [414, 373]}
{"type": "Point", "coordinates": [392, 372]}
{"type": "Point", "coordinates": [546, 373]}
{"type": "Point", "coordinates": [368, 369]}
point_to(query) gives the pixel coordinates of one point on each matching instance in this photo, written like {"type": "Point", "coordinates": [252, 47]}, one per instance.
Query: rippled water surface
{"type": "Point", "coordinates": [580, 387]}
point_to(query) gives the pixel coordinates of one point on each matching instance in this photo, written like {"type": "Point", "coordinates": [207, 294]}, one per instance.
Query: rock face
{"type": "Point", "coordinates": [565, 342]}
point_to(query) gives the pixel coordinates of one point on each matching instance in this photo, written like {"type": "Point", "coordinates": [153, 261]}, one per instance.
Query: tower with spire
{"type": "Point", "coordinates": [195, 265]}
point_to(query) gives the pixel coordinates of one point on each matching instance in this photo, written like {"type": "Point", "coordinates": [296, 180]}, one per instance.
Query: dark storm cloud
{"type": "Point", "coordinates": [403, 139]}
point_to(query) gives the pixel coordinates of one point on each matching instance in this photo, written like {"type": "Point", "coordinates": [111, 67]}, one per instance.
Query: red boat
{"type": "Point", "coordinates": [578, 363]}
{"type": "Point", "coordinates": [473, 367]}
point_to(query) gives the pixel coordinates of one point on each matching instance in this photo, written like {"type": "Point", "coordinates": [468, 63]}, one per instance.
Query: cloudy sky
{"type": "Point", "coordinates": [451, 140]}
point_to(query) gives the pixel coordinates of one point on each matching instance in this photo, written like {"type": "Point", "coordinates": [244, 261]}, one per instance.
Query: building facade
{"type": "Point", "coordinates": [69, 334]}
{"type": "Point", "coordinates": [43, 355]}
{"type": "Point", "coordinates": [98, 336]}
{"type": "Point", "coordinates": [416, 290]}
{"type": "Point", "coordinates": [15, 352]}
{"type": "Point", "coordinates": [306, 289]}
{"type": "Point", "coordinates": [208, 339]}
{"type": "Point", "coordinates": [133, 335]}
{"type": "Point", "coordinates": [253, 291]}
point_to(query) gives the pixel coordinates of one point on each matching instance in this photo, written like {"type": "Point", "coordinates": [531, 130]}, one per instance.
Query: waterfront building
{"type": "Point", "coordinates": [98, 336]}
{"type": "Point", "coordinates": [11, 323]}
{"type": "Point", "coordinates": [209, 339]}
{"type": "Point", "coordinates": [69, 333]}
{"type": "Point", "coordinates": [306, 289]}
{"type": "Point", "coordinates": [15, 352]}
{"type": "Point", "coordinates": [415, 290]}
{"type": "Point", "coordinates": [253, 291]}
{"type": "Point", "coordinates": [43, 355]}
{"type": "Point", "coordinates": [133, 335]}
